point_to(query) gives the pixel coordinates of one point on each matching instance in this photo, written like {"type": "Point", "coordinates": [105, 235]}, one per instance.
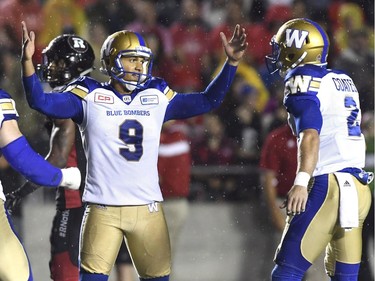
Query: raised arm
{"type": "Point", "coordinates": [63, 105]}
{"type": "Point", "coordinates": [191, 104]}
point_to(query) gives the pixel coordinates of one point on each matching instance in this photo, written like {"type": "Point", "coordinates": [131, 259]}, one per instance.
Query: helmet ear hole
{"type": "Point", "coordinates": [291, 57]}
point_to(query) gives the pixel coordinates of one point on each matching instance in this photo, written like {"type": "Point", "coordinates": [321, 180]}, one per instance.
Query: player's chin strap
{"type": "Point", "coordinates": [130, 85]}
{"type": "Point", "coordinates": [87, 71]}
{"type": "Point", "coordinates": [299, 60]}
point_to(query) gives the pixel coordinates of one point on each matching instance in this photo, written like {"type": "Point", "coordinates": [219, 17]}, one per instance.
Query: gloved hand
{"type": "Point", "coordinates": [14, 198]}
{"type": "Point", "coordinates": [71, 178]}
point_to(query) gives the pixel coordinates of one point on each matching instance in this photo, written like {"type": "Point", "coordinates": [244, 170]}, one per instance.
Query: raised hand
{"type": "Point", "coordinates": [28, 43]}
{"type": "Point", "coordinates": [28, 50]}
{"type": "Point", "coordinates": [12, 201]}
{"type": "Point", "coordinates": [236, 46]}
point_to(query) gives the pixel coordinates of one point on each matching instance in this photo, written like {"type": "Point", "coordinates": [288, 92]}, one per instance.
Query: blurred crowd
{"type": "Point", "coordinates": [184, 37]}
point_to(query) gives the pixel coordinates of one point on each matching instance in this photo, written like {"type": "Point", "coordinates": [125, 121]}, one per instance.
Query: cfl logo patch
{"type": "Point", "coordinates": [153, 207]}
{"type": "Point", "coordinates": [296, 37]}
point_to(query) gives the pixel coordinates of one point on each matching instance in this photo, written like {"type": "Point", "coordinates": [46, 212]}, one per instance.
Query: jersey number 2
{"type": "Point", "coordinates": [131, 133]}
{"type": "Point", "coordinates": [353, 120]}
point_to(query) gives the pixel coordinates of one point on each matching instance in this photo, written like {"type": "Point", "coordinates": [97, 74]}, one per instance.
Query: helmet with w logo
{"type": "Point", "coordinates": [126, 44]}
{"type": "Point", "coordinates": [297, 42]}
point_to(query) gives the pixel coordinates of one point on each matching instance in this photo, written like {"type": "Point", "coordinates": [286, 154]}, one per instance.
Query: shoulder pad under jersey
{"type": "Point", "coordinates": [161, 85]}
{"type": "Point", "coordinates": [82, 86]}
{"type": "Point", "coordinates": [7, 107]}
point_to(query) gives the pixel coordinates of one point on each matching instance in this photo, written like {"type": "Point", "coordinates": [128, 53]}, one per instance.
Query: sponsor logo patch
{"type": "Point", "coordinates": [150, 99]}
{"type": "Point", "coordinates": [102, 98]}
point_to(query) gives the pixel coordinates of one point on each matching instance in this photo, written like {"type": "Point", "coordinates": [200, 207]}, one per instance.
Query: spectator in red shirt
{"type": "Point", "coordinates": [279, 164]}
{"type": "Point", "coordinates": [146, 22]}
{"type": "Point", "coordinates": [216, 149]}
{"type": "Point", "coordinates": [11, 15]}
{"type": "Point", "coordinates": [257, 34]}
{"type": "Point", "coordinates": [174, 167]}
{"type": "Point", "coordinates": [190, 51]}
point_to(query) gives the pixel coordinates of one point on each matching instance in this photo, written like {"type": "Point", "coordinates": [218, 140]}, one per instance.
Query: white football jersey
{"type": "Point", "coordinates": [342, 145]}
{"type": "Point", "coordinates": [121, 137]}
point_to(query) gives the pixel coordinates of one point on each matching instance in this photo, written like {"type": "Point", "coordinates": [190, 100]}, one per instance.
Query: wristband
{"type": "Point", "coordinates": [302, 179]}
{"type": "Point", "coordinates": [71, 178]}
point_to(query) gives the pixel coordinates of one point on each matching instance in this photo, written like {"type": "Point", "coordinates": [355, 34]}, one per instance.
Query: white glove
{"type": "Point", "coordinates": [71, 178]}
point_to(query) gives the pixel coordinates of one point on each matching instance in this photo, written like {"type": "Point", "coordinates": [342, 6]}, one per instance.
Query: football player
{"type": "Point", "coordinates": [66, 58]}
{"type": "Point", "coordinates": [120, 123]}
{"type": "Point", "coordinates": [330, 197]}
{"type": "Point", "coordinates": [14, 264]}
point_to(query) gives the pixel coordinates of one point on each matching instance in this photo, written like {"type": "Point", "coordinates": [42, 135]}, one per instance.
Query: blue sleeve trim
{"type": "Point", "coordinates": [306, 114]}
{"type": "Point", "coordinates": [216, 90]}
{"type": "Point", "coordinates": [4, 95]}
{"type": "Point", "coordinates": [30, 164]}
{"type": "Point", "coordinates": [186, 105]}
{"type": "Point", "coordinates": [56, 105]}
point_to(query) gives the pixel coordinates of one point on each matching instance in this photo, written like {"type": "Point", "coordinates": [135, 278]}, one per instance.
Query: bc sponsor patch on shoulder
{"type": "Point", "coordinates": [149, 99]}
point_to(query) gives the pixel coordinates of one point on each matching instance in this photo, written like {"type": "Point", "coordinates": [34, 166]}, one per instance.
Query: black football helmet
{"type": "Point", "coordinates": [65, 58]}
